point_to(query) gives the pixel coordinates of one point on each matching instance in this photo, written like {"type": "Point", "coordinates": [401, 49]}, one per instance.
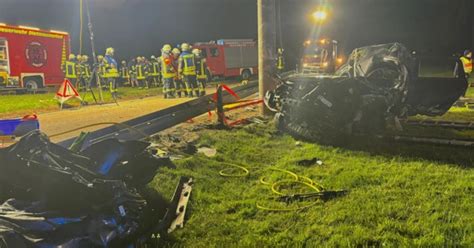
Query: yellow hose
{"type": "Point", "coordinates": [275, 186]}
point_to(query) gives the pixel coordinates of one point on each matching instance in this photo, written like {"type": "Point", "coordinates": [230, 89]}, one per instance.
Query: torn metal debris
{"type": "Point", "coordinates": [55, 197]}
{"type": "Point", "coordinates": [375, 88]}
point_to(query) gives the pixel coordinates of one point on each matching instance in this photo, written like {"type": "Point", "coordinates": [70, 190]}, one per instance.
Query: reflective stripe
{"type": "Point", "coordinates": [124, 72]}
{"type": "Point", "coordinates": [87, 71]}
{"type": "Point", "coordinates": [202, 70]}
{"type": "Point", "coordinates": [71, 69]}
{"type": "Point", "coordinates": [189, 67]}
{"type": "Point", "coordinates": [110, 71]}
{"type": "Point", "coordinates": [140, 72]}
{"type": "Point", "coordinates": [154, 69]}
{"type": "Point", "coordinates": [280, 65]}
{"type": "Point", "coordinates": [167, 70]}
{"type": "Point", "coordinates": [467, 64]}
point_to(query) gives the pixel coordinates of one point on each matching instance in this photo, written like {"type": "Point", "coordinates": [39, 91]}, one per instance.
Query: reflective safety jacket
{"type": "Point", "coordinates": [167, 69]}
{"type": "Point", "coordinates": [70, 69]}
{"type": "Point", "coordinates": [124, 72]}
{"type": "Point", "coordinates": [110, 65]}
{"type": "Point", "coordinates": [280, 63]}
{"type": "Point", "coordinates": [467, 64]}
{"type": "Point", "coordinates": [141, 71]}
{"type": "Point", "coordinates": [86, 70]}
{"type": "Point", "coordinates": [201, 66]}
{"type": "Point", "coordinates": [101, 70]}
{"type": "Point", "coordinates": [187, 64]}
{"type": "Point", "coordinates": [155, 69]}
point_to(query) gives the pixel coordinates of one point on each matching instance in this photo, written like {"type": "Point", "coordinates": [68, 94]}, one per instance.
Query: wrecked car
{"type": "Point", "coordinates": [378, 86]}
{"type": "Point", "coordinates": [97, 197]}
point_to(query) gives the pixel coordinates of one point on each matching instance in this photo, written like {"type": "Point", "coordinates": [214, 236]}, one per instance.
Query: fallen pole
{"type": "Point", "coordinates": [153, 123]}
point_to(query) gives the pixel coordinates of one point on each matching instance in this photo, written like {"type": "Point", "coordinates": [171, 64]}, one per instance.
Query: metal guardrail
{"type": "Point", "coordinates": [158, 121]}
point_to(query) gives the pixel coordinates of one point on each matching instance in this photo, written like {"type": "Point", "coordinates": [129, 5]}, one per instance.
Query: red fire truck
{"type": "Point", "coordinates": [230, 58]}
{"type": "Point", "coordinates": [30, 57]}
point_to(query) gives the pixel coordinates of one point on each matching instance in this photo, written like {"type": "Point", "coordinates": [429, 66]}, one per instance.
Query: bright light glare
{"type": "Point", "coordinates": [320, 15]}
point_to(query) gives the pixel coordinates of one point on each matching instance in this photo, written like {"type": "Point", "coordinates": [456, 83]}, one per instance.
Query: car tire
{"type": "Point", "coordinates": [246, 74]}
{"type": "Point", "coordinates": [32, 84]}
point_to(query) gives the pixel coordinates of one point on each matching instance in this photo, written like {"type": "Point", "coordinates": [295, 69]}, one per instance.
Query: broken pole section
{"type": "Point", "coordinates": [266, 48]}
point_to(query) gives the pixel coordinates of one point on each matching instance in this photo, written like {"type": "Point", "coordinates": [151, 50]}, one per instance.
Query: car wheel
{"type": "Point", "coordinates": [246, 74]}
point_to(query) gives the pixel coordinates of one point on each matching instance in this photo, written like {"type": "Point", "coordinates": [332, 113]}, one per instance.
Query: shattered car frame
{"type": "Point", "coordinates": [375, 88]}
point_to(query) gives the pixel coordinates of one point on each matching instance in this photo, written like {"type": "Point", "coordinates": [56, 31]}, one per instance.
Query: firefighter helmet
{"type": "Point", "coordinates": [196, 52]}
{"type": "Point", "coordinates": [72, 56]}
{"type": "Point", "coordinates": [185, 47]}
{"type": "Point", "coordinates": [100, 58]}
{"type": "Point", "coordinates": [166, 48]}
{"type": "Point", "coordinates": [468, 53]}
{"type": "Point", "coordinates": [176, 51]}
{"type": "Point", "coordinates": [85, 58]}
{"type": "Point", "coordinates": [79, 57]}
{"type": "Point", "coordinates": [123, 62]}
{"type": "Point", "coordinates": [110, 51]}
{"type": "Point", "coordinates": [152, 57]}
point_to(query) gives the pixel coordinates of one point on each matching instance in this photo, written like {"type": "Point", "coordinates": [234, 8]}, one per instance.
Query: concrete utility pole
{"type": "Point", "coordinates": [266, 47]}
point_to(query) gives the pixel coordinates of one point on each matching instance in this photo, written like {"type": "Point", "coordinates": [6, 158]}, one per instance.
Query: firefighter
{"type": "Point", "coordinates": [168, 72]}
{"type": "Point", "coordinates": [141, 70]}
{"type": "Point", "coordinates": [125, 73]}
{"type": "Point", "coordinates": [187, 70]}
{"type": "Point", "coordinates": [100, 70]}
{"type": "Point", "coordinates": [178, 80]}
{"type": "Point", "coordinates": [201, 71]}
{"type": "Point", "coordinates": [466, 60]}
{"type": "Point", "coordinates": [132, 67]}
{"type": "Point", "coordinates": [111, 71]}
{"type": "Point", "coordinates": [280, 61]}
{"type": "Point", "coordinates": [154, 71]}
{"type": "Point", "coordinates": [86, 71]}
{"type": "Point", "coordinates": [80, 80]}
{"type": "Point", "coordinates": [70, 69]}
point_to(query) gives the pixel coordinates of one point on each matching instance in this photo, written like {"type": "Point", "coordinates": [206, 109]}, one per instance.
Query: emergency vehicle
{"type": "Point", "coordinates": [320, 56]}
{"type": "Point", "coordinates": [230, 57]}
{"type": "Point", "coordinates": [32, 58]}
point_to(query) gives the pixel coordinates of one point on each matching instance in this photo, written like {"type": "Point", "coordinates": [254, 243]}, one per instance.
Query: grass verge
{"type": "Point", "coordinates": [400, 195]}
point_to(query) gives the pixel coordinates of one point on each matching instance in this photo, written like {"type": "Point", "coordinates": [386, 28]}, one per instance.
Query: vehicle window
{"type": "Point", "coordinates": [214, 52]}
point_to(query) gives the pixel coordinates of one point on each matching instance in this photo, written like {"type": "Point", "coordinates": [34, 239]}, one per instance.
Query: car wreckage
{"type": "Point", "coordinates": [96, 197]}
{"type": "Point", "coordinates": [378, 86]}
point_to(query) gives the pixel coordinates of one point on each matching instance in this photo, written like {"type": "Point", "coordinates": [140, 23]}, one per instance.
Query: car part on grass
{"type": "Point", "coordinates": [375, 88]}
{"type": "Point", "coordinates": [309, 162]}
{"type": "Point", "coordinates": [153, 123]}
{"type": "Point", "coordinates": [182, 195]}
{"type": "Point", "coordinates": [54, 197]}
{"type": "Point", "coordinates": [445, 124]}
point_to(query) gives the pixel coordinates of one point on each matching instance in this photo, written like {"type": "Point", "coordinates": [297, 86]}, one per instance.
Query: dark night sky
{"type": "Point", "coordinates": [141, 27]}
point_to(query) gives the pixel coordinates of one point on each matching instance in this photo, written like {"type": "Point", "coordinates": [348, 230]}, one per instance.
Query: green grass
{"type": "Point", "coordinates": [400, 195]}
{"type": "Point", "coordinates": [11, 105]}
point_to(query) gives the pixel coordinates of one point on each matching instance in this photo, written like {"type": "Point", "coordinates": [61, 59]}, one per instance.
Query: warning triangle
{"type": "Point", "coordinates": [67, 91]}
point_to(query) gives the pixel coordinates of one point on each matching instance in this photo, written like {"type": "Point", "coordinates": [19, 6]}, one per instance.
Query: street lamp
{"type": "Point", "coordinates": [320, 15]}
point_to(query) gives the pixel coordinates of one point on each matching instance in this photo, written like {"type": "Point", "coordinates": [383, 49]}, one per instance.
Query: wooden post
{"type": "Point", "coordinates": [266, 48]}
